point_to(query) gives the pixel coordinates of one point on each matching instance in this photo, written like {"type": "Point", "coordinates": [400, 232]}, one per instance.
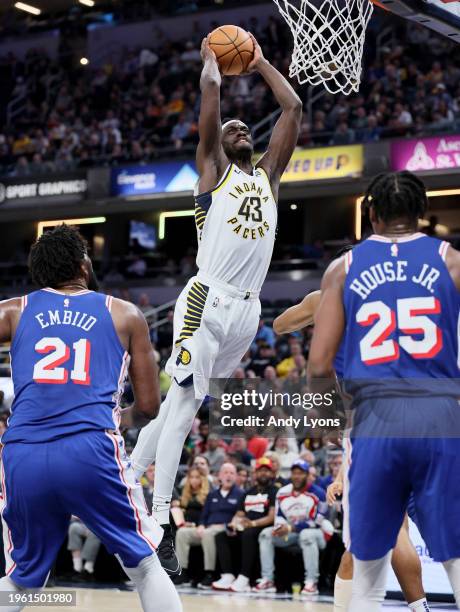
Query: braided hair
{"type": "Point", "coordinates": [56, 257]}
{"type": "Point", "coordinates": [397, 194]}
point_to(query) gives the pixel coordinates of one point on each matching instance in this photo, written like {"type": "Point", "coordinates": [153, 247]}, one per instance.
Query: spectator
{"type": "Point", "coordinates": [302, 523]}
{"type": "Point", "coordinates": [288, 364]}
{"type": "Point", "coordinates": [237, 451]}
{"type": "Point", "coordinates": [265, 334]}
{"type": "Point", "coordinates": [148, 481]}
{"type": "Point", "coordinates": [84, 546]}
{"type": "Point", "coordinates": [218, 510]}
{"type": "Point", "coordinates": [256, 511]}
{"type": "Point", "coordinates": [264, 357]}
{"type": "Point", "coordinates": [257, 445]}
{"type": "Point", "coordinates": [215, 453]}
{"type": "Point", "coordinates": [285, 454]}
{"type": "Point", "coordinates": [242, 476]}
{"type": "Point", "coordinates": [187, 508]}
{"type": "Point", "coordinates": [278, 480]}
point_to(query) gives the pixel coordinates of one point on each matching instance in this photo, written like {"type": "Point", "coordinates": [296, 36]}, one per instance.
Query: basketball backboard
{"type": "Point", "coordinates": [443, 16]}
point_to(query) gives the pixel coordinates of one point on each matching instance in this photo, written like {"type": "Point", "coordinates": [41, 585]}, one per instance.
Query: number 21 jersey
{"type": "Point", "coordinates": [236, 224]}
{"type": "Point", "coordinates": [68, 367]}
{"type": "Point", "coordinates": [402, 314]}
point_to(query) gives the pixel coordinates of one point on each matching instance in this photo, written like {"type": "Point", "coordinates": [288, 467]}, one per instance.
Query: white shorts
{"type": "Point", "coordinates": [214, 325]}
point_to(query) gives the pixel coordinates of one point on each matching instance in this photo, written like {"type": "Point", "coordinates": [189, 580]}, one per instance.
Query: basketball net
{"type": "Point", "coordinates": [328, 41]}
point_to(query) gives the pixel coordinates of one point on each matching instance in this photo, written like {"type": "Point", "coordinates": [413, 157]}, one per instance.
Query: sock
{"type": "Point", "coordinates": [421, 605]}
{"type": "Point", "coordinates": [156, 591]}
{"type": "Point", "coordinates": [6, 584]}
{"type": "Point", "coordinates": [89, 567]}
{"type": "Point", "coordinates": [342, 594]}
{"type": "Point", "coordinates": [77, 564]}
{"type": "Point", "coordinates": [160, 509]}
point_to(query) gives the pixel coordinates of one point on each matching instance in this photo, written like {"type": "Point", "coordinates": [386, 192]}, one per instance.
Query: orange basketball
{"type": "Point", "coordinates": [233, 47]}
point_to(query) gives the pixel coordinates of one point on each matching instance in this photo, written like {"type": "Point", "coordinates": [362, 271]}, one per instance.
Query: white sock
{"type": "Point", "coordinates": [342, 594]}
{"type": "Point", "coordinates": [77, 564]}
{"type": "Point", "coordinates": [421, 605]}
{"type": "Point", "coordinates": [146, 446]}
{"type": "Point", "coordinates": [160, 509]}
{"type": "Point", "coordinates": [369, 584]}
{"type": "Point", "coordinates": [156, 591]}
{"type": "Point", "coordinates": [89, 567]}
{"type": "Point", "coordinates": [452, 568]}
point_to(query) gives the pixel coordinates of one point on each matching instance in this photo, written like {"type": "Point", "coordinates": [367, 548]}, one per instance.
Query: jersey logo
{"type": "Point", "coordinates": [66, 303]}
{"type": "Point", "coordinates": [184, 357]}
{"type": "Point", "coordinates": [215, 303]}
{"type": "Point", "coordinates": [394, 250]}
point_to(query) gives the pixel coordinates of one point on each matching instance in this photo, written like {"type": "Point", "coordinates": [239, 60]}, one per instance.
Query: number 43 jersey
{"type": "Point", "coordinates": [68, 367]}
{"type": "Point", "coordinates": [402, 316]}
{"type": "Point", "coordinates": [236, 224]}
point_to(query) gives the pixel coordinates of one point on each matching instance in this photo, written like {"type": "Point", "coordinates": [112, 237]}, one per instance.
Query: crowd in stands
{"type": "Point", "coordinates": [146, 106]}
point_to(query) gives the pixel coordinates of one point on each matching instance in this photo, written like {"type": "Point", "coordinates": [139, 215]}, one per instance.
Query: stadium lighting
{"type": "Point", "coordinates": [27, 8]}
{"type": "Point", "coordinates": [87, 2]}
{"type": "Point", "coordinates": [84, 221]}
{"type": "Point", "coordinates": [171, 215]}
{"type": "Point", "coordinates": [431, 194]}
{"type": "Point", "coordinates": [84, 61]}
{"type": "Point", "coordinates": [293, 206]}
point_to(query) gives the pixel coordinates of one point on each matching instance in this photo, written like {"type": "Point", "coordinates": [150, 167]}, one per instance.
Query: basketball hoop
{"type": "Point", "coordinates": [328, 41]}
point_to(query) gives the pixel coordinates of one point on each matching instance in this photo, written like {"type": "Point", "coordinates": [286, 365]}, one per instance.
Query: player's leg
{"type": "Point", "coordinates": [108, 499]}
{"type": "Point", "coordinates": [145, 451]}
{"type": "Point", "coordinates": [408, 569]}
{"type": "Point", "coordinates": [343, 583]}
{"type": "Point", "coordinates": [437, 499]}
{"type": "Point", "coordinates": [34, 522]}
{"type": "Point", "coordinates": [369, 584]}
{"type": "Point", "coordinates": [375, 516]}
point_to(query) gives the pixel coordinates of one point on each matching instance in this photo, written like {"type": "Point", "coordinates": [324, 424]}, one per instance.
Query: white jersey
{"type": "Point", "coordinates": [236, 224]}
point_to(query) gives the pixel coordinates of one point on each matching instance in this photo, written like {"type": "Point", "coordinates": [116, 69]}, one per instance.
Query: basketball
{"type": "Point", "coordinates": [233, 47]}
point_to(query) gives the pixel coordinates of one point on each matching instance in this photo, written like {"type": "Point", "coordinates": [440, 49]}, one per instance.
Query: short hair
{"type": "Point", "coordinates": [56, 257]}
{"type": "Point", "coordinates": [397, 194]}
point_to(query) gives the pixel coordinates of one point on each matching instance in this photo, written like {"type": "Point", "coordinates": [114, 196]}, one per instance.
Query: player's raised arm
{"type": "Point", "coordinates": [9, 316]}
{"type": "Point", "coordinates": [329, 324]}
{"type": "Point", "coordinates": [286, 131]}
{"type": "Point", "coordinates": [210, 158]}
{"type": "Point", "coordinates": [299, 316]}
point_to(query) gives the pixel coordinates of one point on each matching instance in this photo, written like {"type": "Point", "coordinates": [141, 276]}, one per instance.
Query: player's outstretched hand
{"type": "Point", "coordinates": [206, 52]}
{"type": "Point", "coordinates": [258, 56]}
{"type": "Point", "coordinates": [334, 490]}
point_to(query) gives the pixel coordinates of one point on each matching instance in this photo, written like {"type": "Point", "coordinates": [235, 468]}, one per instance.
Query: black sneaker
{"type": "Point", "coordinates": [83, 576]}
{"type": "Point", "coordinates": [206, 583]}
{"type": "Point", "coordinates": [182, 580]}
{"type": "Point", "coordinates": [167, 554]}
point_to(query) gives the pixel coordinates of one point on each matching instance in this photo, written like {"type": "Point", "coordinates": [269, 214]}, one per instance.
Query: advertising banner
{"type": "Point", "coordinates": [324, 163]}
{"type": "Point", "coordinates": [167, 177]}
{"type": "Point", "coordinates": [422, 154]}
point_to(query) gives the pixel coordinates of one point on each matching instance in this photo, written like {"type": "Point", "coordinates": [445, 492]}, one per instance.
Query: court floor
{"type": "Point", "coordinates": [112, 600]}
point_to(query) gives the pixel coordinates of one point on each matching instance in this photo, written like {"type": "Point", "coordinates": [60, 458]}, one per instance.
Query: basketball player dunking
{"type": "Point", "coordinates": [394, 302]}
{"type": "Point", "coordinates": [217, 313]}
{"type": "Point", "coordinates": [71, 349]}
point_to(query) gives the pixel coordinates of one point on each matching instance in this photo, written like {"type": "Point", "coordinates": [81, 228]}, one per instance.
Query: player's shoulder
{"type": "Point", "coordinates": [11, 303]}
{"type": "Point", "coordinates": [128, 308]}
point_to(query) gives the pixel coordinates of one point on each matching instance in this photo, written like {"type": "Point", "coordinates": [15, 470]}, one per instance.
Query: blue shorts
{"type": "Point", "coordinates": [87, 475]}
{"type": "Point", "coordinates": [384, 473]}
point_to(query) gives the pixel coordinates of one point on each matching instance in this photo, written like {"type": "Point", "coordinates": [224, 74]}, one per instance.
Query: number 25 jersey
{"type": "Point", "coordinates": [68, 367]}
{"type": "Point", "coordinates": [236, 224]}
{"type": "Point", "coordinates": [402, 316]}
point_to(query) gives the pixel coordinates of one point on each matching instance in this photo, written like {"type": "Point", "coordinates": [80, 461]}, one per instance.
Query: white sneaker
{"type": "Point", "coordinates": [241, 585]}
{"type": "Point", "coordinates": [310, 588]}
{"type": "Point", "coordinates": [223, 584]}
{"type": "Point", "coordinates": [264, 585]}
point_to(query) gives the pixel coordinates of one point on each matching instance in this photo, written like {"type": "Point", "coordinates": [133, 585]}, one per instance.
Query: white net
{"type": "Point", "coordinates": [328, 41]}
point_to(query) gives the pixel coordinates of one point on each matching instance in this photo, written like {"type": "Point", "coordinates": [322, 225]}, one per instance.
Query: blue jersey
{"type": "Point", "coordinates": [68, 367]}
{"type": "Point", "coordinates": [402, 316]}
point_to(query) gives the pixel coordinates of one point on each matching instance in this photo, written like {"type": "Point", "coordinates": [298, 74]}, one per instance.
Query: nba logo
{"type": "Point", "coordinates": [394, 250]}
{"type": "Point", "coordinates": [66, 303]}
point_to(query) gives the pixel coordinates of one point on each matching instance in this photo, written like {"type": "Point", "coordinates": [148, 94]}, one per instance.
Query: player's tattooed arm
{"type": "Point", "coordinates": [453, 265]}
{"type": "Point", "coordinates": [329, 325]}
{"type": "Point", "coordinates": [299, 316]}
{"type": "Point", "coordinates": [286, 131]}
{"type": "Point", "coordinates": [210, 158]}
